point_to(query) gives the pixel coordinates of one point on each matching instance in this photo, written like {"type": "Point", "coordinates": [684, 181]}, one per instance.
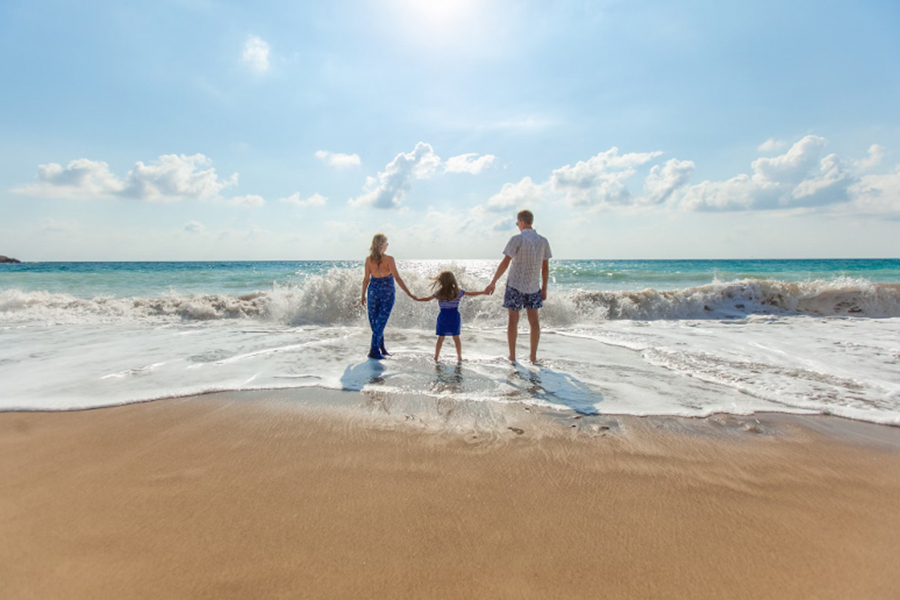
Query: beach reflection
{"type": "Point", "coordinates": [447, 378]}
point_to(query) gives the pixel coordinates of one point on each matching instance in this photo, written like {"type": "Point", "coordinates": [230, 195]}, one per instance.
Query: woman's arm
{"type": "Point", "coordinates": [362, 300]}
{"type": "Point", "coordinates": [397, 277]}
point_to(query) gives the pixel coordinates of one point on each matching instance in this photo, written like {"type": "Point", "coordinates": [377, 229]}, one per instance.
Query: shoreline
{"type": "Point", "coordinates": [287, 494]}
{"type": "Point", "coordinates": [356, 404]}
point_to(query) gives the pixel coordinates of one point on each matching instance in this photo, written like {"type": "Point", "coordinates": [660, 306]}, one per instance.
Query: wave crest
{"type": "Point", "coordinates": [333, 299]}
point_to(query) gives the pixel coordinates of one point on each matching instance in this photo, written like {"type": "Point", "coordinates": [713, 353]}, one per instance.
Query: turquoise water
{"type": "Point", "coordinates": [150, 279]}
{"type": "Point", "coordinates": [686, 337]}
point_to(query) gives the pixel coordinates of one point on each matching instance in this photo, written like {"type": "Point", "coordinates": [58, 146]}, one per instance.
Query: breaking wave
{"type": "Point", "coordinates": [333, 299]}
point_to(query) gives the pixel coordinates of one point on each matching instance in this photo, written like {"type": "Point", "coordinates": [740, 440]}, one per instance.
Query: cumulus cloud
{"type": "Point", "coordinates": [314, 200]}
{"type": "Point", "coordinates": [793, 166]}
{"type": "Point", "coordinates": [503, 224]}
{"type": "Point", "coordinates": [600, 180]}
{"type": "Point", "coordinates": [516, 196]}
{"type": "Point", "coordinates": [797, 178]}
{"type": "Point", "coordinates": [469, 163]}
{"type": "Point", "coordinates": [172, 177]}
{"type": "Point", "coordinates": [256, 54]}
{"type": "Point", "coordinates": [874, 159]}
{"type": "Point", "coordinates": [389, 187]}
{"type": "Point", "coordinates": [772, 145]}
{"type": "Point", "coordinates": [338, 160]}
{"type": "Point", "coordinates": [249, 201]}
{"type": "Point", "coordinates": [82, 178]}
{"type": "Point", "coordinates": [662, 181]}
{"type": "Point", "coordinates": [876, 194]}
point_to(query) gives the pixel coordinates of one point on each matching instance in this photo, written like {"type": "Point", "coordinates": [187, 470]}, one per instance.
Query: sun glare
{"type": "Point", "coordinates": [439, 12]}
{"type": "Point", "coordinates": [439, 20]}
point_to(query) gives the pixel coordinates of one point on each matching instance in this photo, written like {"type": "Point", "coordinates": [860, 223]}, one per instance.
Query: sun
{"type": "Point", "coordinates": [439, 21]}
{"type": "Point", "coordinates": [445, 13]}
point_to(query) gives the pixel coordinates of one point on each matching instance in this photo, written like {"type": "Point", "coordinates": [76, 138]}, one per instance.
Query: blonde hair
{"type": "Point", "coordinates": [376, 252]}
{"type": "Point", "coordinates": [446, 286]}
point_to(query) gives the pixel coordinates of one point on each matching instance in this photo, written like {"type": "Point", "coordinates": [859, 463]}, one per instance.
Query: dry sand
{"type": "Point", "coordinates": [240, 496]}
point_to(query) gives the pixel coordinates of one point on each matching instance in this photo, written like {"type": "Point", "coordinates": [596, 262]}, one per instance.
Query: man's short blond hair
{"type": "Point", "coordinates": [526, 217]}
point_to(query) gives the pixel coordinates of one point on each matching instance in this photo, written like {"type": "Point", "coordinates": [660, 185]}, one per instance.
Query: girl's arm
{"type": "Point", "coordinates": [362, 300]}
{"type": "Point", "coordinates": [481, 293]}
{"type": "Point", "coordinates": [417, 299]}
{"type": "Point", "coordinates": [398, 278]}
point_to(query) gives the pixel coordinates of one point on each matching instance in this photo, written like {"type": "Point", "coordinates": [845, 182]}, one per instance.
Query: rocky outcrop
{"type": "Point", "coordinates": [6, 259]}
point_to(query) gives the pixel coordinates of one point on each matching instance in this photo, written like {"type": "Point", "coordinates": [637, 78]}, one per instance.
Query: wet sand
{"type": "Point", "coordinates": [274, 496]}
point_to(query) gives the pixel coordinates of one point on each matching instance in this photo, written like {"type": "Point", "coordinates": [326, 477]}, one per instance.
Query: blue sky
{"type": "Point", "coordinates": [200, 130]}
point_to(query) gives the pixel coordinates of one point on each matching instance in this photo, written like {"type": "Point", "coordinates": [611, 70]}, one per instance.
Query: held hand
{"type": "Point", "coordinates": [489, 290]}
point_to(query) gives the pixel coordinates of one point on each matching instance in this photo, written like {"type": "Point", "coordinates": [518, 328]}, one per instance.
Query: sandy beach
{"type": "Point", "coordinates": [268, 495]}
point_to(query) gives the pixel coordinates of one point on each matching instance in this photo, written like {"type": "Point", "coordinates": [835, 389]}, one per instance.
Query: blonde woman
{"type": "Point", "coordinates": [378, 289]}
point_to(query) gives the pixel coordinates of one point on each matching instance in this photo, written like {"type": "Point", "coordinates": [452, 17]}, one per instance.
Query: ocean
{"type": "Point", "coordinates": [648, 337]}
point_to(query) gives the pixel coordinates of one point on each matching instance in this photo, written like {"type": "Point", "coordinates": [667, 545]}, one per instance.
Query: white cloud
{"type": "Point", "coordinates": [793, 166]}
{"type": "Point", "coordinates": [338, 160]}
{"type": "Point", "coordinates": [516, 196]}
{"type": "Point", "coordinates": [469, 163]}
{"type": "Point", "coordinates": [874, 159]}
{"type": "Point", "coordinates": [389, 187]}
{"type": "Point", "coordinates": [772, 145]}
{"type": "Point", "coordinates": [737, 193]}
{"type": "Point", "coordinates": [194, 227]}
{"type": "Point", "coordinates": [662, 182]}
{"type": "Point", "coordinates": [797, 178]}
{"type": "Point", "coordinates": [82, 178]}
{"type": "Point", "coordinates": [172, 177]}
{"type": "Point", "coordinates": [256, 54]}
{"type": "Point", "coordinates": [503, 224]}
{"type": "Point", "coordinates": [248, 201]}
{"type": "Point", "coordinates": [600, 180]}
{"type": "Point", "coordinates": [314, 200]}
{"type": "Point", "coordinates": [876, 194]}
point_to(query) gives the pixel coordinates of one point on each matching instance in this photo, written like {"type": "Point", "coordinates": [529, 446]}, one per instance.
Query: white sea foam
{"type": "Point", "coordinates": [333, 299]}
{"type": "Point", "coordinates": [736, 346]}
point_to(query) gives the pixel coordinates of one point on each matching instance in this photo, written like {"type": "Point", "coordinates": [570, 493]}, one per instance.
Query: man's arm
{"type": "Point", "coordinates": [545, 275]}
{"type": "Point", "coordinates": [504, 264]}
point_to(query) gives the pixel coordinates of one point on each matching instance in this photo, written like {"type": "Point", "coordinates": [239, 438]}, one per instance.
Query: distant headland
{"type": "Point", "coordinates": [6, 259]}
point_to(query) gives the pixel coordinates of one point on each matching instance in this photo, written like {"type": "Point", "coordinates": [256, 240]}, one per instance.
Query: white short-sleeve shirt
{"type": "Point", "coordinates": [528, 251]}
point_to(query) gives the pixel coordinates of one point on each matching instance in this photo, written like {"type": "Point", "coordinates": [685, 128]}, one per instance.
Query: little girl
{"type": "Point", "coordinates": [449, 322]}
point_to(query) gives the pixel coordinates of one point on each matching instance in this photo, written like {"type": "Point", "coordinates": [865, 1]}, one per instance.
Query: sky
{"type": "Point", "coordinates": [274, 130]}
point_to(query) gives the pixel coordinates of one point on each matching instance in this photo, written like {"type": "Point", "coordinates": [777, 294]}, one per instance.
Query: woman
{"type": "Point", "coordinates": [381, 270]}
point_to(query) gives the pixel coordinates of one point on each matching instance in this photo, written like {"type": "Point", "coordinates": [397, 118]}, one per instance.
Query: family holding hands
{"type": "Point", "coordinates": [526, 256]}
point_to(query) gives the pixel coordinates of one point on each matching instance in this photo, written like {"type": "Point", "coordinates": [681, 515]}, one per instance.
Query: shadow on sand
{"type": "Point", "coordinates": [554, 387]}
{"type": "Point", "coordinates": [356, 377]}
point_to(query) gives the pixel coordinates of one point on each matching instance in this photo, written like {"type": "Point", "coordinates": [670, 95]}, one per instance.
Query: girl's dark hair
{"type": "Point", "coordinates": [445, 287]}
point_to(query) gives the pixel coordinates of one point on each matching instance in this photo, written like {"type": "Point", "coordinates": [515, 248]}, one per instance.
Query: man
{"type": "Point", "coordinates": [526, 286]}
